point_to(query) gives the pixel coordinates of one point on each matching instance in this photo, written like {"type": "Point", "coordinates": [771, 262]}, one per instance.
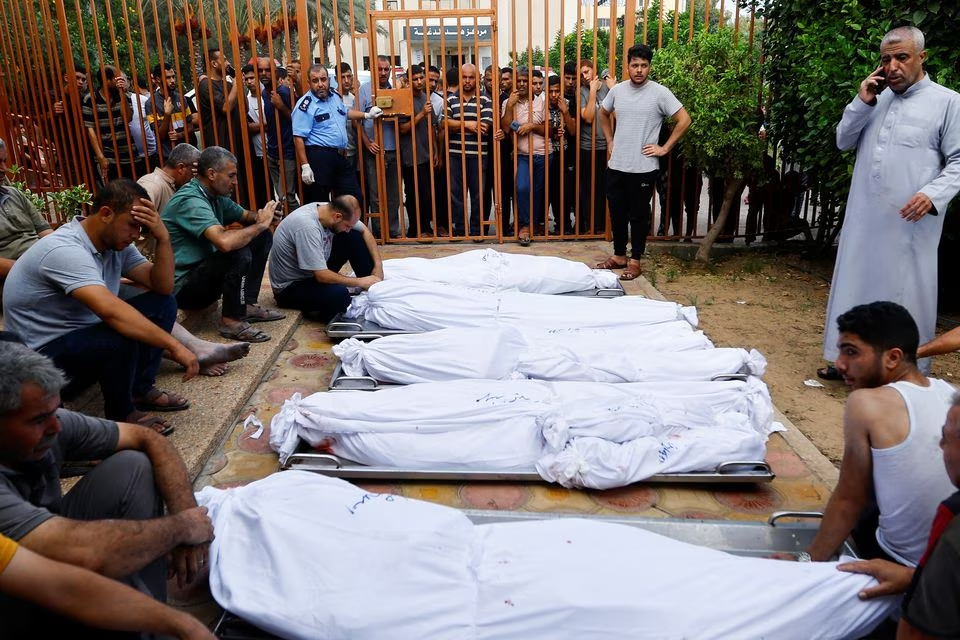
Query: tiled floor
{"type": "Point", "coordinates": [305, 366]}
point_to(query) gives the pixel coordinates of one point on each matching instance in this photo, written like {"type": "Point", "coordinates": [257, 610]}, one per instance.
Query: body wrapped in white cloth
{"type": "Point", "coordinates": [494, 425]}
{"type": "Point", "coordinates": [492, 270]}
{"type": "Point", "coordinates": [621, 354]}
{"type": "Point", "coordinates": [305, 556]}
{"type": "Point", "coordinates": [427, 306]}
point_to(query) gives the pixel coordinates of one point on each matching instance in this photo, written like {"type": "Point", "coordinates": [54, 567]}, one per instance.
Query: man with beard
{"type": "Point", "coordinates": [112, 522]}
{"type": "Point", "coordinates": [166, 110]}
{"type": "Point", "coordinates": [888, 489]}
{"type": "Point", "coordinates": [416, 163]}
{"type": "Point", "coordinates": [62, 299]}
{"type": "Point", "coordinates": [468, 118]}
{"type": "Point", "coordinates": [216, 262]}
{"type": "Point", "coordinates": [106, 115]}
{"type": "Point", "coordinates": [320, 121]}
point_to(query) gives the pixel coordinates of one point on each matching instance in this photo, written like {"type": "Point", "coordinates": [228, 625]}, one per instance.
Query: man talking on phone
{"type": "Point", "coordinates": [906, 131]}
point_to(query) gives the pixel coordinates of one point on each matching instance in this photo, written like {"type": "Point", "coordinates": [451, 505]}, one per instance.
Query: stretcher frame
{"type": "Point", "coordinates": [307, 459]}
{"type": "Point", "coordinates": [340, 381]}
{"type": "Point", "coordinates": [742, 538]}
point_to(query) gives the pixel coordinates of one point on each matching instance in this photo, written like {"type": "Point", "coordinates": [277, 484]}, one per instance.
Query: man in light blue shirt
{"type": "Point", "coordinates": [320, 139]}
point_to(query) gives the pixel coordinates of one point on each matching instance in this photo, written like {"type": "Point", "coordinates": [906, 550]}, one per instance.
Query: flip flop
{"type": "Point", "coordinates": [151, 421]}
{"type": "Point", "coordinates": [244, 332]}
{"type": "Point", "coordinates": [611, 264]}
{"type": "Point", "coordinates": [829, 372]}
{"type": "Point", "coordinates": [631, 271]}
{"type": "Point", "coordinates": [150, 401]}
{"type": "Point", "coordinates": [264, 315]}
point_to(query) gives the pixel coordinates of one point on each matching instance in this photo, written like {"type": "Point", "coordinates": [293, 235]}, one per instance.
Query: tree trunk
{"type": "Point", "coordinates": [733, 187]}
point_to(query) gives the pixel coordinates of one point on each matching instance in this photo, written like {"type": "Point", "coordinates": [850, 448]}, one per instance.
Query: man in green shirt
{"type": "Point", "coordinates": [213, 260]}
{"type": "Point", "coordinates": [20, 223]}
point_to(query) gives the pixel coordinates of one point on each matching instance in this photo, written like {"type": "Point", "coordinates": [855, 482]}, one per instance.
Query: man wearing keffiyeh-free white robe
{"type": "Point", "coordinates": [908, 154]}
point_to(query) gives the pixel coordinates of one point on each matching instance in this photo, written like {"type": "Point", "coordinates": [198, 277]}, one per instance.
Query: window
{"type": "Point", "coordinates": [603, 23]}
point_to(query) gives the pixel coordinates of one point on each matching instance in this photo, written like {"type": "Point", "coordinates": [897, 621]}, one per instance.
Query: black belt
{"type": "Point", "coordinates": [312, 147]}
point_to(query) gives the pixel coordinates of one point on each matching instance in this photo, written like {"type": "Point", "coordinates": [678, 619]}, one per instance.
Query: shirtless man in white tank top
{"type": "Point", "coordinates": [891, 428]}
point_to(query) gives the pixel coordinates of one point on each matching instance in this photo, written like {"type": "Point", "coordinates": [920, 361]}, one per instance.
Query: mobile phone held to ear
{"type": "Point", "coordinates": [881, 83]}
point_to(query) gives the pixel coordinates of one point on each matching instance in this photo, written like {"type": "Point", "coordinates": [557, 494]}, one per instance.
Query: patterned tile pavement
{"type": "Point", "coordinates": [306, 364]}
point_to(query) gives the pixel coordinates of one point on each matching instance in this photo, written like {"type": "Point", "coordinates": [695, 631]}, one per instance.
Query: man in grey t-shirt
{"type": "Point", "coordinates": [310, 246]}
{"type": "Point", "coordinates": [112, 521]}
{"type": "Point", "coordinates": [640, 105]}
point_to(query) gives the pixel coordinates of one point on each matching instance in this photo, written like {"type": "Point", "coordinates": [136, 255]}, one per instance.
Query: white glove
{"type": "Point", "coordinates": [375, 112]}
{"type": "Point", "coordinates": [306, 174]}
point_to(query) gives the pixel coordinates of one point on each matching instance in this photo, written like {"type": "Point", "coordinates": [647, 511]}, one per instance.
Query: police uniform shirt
{"type": "Point", "coordinates": [319, 122]}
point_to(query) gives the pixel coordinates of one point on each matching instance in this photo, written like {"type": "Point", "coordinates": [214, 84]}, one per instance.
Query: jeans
{"type": "Point", "coordinates": [526, 183]}
{"type": "Point", "coordinates": [234, 276]}
{"type": "Point", "coordinates": [418, 197]}
{"type": "Point", "coordinates": [323, 301]}
{"type": "Point", "coordinates": [629, 197]}
{"type": "Point", "coordinates": [593, 171]}
{"type": "Point", "coordinates": [470, 164]}
{"type": "Point", "coordinates": [288, 187]}
{"type": "Point", "coordinates": [124, 368]}
{"type": "Point", "coordinates": [393, 191]}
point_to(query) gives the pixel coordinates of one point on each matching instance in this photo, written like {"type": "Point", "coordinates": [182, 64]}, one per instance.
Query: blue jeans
{"type": "Point", "coordinates": [458, 194]}
{"type": "Point", "coordinates": [524, 185]}
{"type": "Point", "coordinates": [124, 368]}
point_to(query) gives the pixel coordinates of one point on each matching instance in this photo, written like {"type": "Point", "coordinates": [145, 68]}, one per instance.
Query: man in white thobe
{"type": "Point", "coordinates": [907, 170]}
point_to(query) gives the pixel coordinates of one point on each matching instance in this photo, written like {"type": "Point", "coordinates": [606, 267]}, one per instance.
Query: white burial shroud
{"type": "Point", "coordinates": [427, 306]}
{"type": "Point", "coordinates": [304, 556]}
{"type": "Point", "coordinates": [516, 424]}
{"type": "Point", "coordinates": [621, 354]}
{"type": "Point", "coordinates": [492, 270]}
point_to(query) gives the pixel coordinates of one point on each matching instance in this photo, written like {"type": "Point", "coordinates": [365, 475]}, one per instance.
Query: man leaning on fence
{"type": "Point", "coordinates": [320, 139]}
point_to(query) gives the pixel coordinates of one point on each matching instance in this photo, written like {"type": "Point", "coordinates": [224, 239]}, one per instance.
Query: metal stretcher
{"type": "Point", "coordinates": [742, 538]}
{"type": "Point", "coordinates": [340, 326]}
{"type": "Point", "coordinates": [340, 381]}
{"type": "Point", "coordinates": [307, 459]}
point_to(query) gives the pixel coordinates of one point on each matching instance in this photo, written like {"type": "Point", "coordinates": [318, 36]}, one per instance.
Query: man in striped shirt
{"type": "Point", "coordinates": [468, 118]}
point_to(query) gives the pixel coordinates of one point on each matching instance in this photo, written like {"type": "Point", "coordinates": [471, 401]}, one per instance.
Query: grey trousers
{"type": "Point", "coordinates": [120, 487]}
{"type": "Point", "coordinates": [393, 191]}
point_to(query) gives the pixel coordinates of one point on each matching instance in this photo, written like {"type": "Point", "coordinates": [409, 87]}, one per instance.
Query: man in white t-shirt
{"type": "Point", "coordinates": [309, 248]}
{"type": "Point", "coordinates": [640, 105]}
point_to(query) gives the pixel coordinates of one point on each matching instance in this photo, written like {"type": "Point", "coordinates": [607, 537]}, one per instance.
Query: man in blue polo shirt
{"type": "Point", "coordinates": [320, 139]}
{"type": "Point", "coordinates": [213, 261]}
{"type": "Point", "coordinates": [386, 146]}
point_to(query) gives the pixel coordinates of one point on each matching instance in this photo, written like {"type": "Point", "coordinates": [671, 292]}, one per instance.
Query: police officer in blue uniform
{"type": "Point", "coordinates": [320, 139]}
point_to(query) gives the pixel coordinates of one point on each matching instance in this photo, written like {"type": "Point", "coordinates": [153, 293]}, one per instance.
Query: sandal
{"type": "Point", "coordinates": [631, 271]}
{"type": "Point", "coordinates": [263, 315]}
{"type": "Point", "coordinates": [611, 263]}
{"type": "Point", "coordinates": [244, 332]}
{"type": "Point", "coordinates": [151, 401]}
{"type": "Point", "coordinates": [150, 421]}
{"type": "Point", "coordinates": [829, 372]}
{"type": "Point", "coordinates": [524, 237]}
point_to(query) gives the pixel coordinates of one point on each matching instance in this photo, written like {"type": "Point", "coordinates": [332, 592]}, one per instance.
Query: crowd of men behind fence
{"type": "Point", "coordinates": [425, 174]}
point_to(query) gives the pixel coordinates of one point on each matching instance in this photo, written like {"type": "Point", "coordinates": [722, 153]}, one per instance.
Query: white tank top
{"type": "Point", "coordinates": [909, 479]}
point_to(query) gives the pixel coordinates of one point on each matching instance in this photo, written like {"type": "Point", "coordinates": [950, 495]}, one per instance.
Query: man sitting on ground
{"type": "Point", "coordinates": [112, 521]}
{"type": "Point", "coordinates": [214, 261]}
{"type": "Point", "coordinates": [61, 298]}
{"type": "Point", "coordinates": [310, 247]}
{"type": "Point", "coordinates": [178, 169]}
{"type": "Point", "coordinates": [891, 431]}
{"type": "Point", "coordinates": [933, 589]}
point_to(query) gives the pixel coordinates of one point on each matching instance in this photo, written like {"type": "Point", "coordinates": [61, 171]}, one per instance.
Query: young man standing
{"type": "Point", "coordinates": [640, 105]}
{"type": "Point", "coordinates": [416, 164]}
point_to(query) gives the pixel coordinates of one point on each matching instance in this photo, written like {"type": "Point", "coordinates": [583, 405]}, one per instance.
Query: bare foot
{"type": "Point", "coordinates": [215, 370]}
{"type": "Point", "coordinates": [214, 353]}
